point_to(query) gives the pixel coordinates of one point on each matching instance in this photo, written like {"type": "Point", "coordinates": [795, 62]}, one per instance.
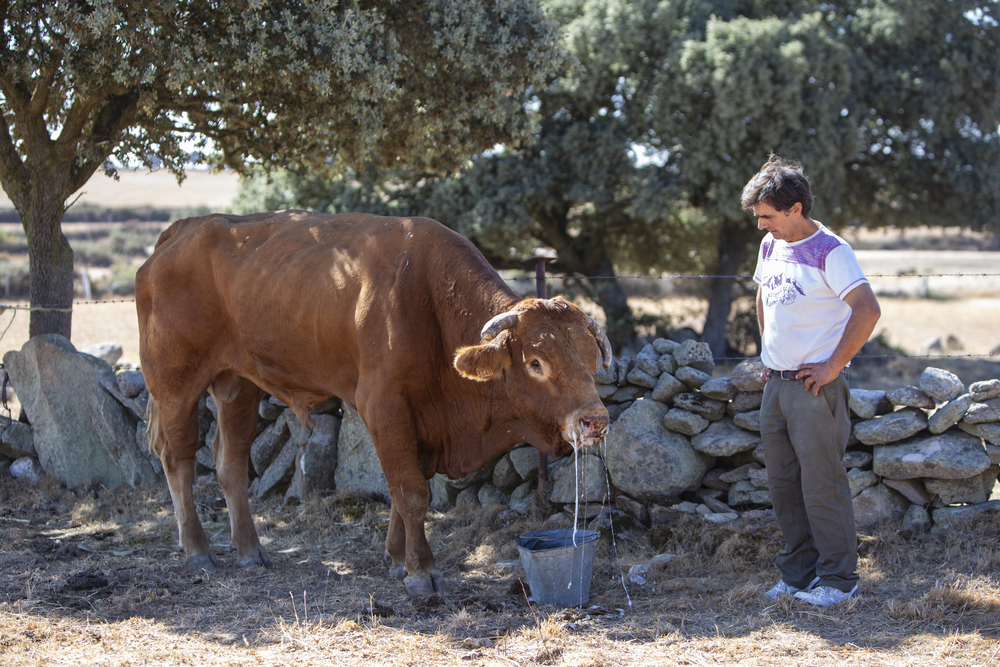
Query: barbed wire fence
{"type": "Point", "coordinates": [17, 307]}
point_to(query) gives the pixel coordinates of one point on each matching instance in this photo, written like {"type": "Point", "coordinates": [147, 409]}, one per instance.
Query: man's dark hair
{"type": "Point", "coordinates": [779, 184]}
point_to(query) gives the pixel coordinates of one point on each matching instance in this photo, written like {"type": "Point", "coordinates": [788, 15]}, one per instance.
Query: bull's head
{"type": "Point", "coordinates": [545, 351]}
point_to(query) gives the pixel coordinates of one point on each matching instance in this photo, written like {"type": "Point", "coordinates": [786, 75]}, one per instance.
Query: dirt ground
{"type": "Point", "coordinates": [93, 578]}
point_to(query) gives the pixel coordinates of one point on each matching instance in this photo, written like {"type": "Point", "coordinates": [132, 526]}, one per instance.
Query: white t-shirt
{"type": "Point", "coordinates": [803, 285]}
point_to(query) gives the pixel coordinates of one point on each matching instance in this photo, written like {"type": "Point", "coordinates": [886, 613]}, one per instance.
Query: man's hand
{"type": "Point", "coordinates": [764, 374]}
{"type": "Point", "coordinates": [817, 375]}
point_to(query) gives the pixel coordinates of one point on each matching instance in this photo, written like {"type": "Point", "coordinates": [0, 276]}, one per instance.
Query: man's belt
{"type": "Point", "coordinates": [790, 375]}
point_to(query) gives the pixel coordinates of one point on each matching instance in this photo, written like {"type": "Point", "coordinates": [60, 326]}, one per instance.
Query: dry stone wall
{"type": "Point", "coordinates": [681, 440]}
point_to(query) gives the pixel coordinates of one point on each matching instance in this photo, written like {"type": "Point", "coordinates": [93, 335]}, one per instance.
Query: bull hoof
{"type": "Point", "coordinates": [255, 557]}
{"type": "Point", "coordinates": [425, 586]}
{"type": "Point", "coordinates": [206, 562]}
{"type": "Point", "coordinates": [398, 572]}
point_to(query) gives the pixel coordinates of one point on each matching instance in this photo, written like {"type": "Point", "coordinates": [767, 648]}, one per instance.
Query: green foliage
{"type": "Point", "coordinates": [319, 84]}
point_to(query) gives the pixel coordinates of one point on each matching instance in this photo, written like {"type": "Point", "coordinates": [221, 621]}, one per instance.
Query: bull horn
{"type": "Point", "coordinates": [502, 321]}
{"type": "Point", "coordinates": [602, 341]}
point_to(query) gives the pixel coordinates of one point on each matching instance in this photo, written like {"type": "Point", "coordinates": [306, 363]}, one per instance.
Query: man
{"type": "Point", "coordinates": [815, 309]}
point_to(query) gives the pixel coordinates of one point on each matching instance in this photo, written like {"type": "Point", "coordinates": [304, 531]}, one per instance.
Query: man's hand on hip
{"type": "Point", "coordinates": [817, 375]}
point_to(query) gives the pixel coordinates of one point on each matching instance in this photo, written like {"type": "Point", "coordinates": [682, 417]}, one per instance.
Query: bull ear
{"type": "Point", "coordinates": [483, 362]}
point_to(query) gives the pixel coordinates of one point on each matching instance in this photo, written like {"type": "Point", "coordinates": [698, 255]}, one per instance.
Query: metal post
{"type": "Point", "coordinates": [540, 262]}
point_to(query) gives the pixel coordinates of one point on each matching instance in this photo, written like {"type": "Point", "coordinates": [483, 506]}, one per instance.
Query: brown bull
{"type": "Point", "coordinates": [401, 318]}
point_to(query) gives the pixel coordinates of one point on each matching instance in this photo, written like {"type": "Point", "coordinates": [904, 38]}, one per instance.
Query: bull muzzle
{"type": "Point", "coordinates": [588, 430]}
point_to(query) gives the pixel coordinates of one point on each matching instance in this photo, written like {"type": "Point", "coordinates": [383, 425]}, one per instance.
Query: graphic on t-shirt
{"type": "Point", "coordinates": [779, 289]}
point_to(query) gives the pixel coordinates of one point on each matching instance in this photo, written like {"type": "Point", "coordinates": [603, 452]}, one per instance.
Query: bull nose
{"type": "Point", "coordinates": [594, 426]}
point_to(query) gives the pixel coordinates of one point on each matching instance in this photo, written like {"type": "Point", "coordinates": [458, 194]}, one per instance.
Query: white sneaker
{"type": "Point", "coordinates": [781, 588]}
{"type": "Point", "coordinates": [825, 596]}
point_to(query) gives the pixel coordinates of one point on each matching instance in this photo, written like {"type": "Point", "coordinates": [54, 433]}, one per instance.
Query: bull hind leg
{"type": "Point", "coordinates": [175, 442]}
{"type": "Point", "coordinates": [237, 401]}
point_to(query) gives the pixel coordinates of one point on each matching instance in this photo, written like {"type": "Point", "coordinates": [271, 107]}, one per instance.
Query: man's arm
{"type": "Point", "coordinates": [766, 373]}
{"type": "Point", "coordinates": [865, 313]}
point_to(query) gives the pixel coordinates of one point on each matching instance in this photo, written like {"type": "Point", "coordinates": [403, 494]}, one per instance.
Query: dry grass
{"type": "Point", "coordinates": [93, 578]}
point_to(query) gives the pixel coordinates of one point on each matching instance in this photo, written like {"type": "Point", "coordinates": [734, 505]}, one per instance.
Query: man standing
{"type": "Point", "coordinates": [815, 309]}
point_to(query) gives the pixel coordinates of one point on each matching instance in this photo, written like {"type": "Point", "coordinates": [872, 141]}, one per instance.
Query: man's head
{"type": "Point", "coordinates": [780, 184]}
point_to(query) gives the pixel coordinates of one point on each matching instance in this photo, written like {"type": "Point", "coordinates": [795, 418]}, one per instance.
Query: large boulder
{"type": "Point", "coordinates": [951, 455]}
{"type": "Point", "coordinates": [646, 461]}
{"type": "Point", "coordinates": [83, 426]}
{"type": "Point", "coordinates": [316, 460]}
{"type": "Point", "coordinates": [358, 467]}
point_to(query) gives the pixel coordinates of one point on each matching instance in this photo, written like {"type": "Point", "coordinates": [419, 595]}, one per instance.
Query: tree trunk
{"type": "Point", "coordinates": [618, 317]}
{"type": "Point", "coordinates": [50, 262]}
{"type": "Point", "coordinates": [734, 238]}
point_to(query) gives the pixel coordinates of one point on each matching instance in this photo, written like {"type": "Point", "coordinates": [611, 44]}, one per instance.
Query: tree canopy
{"type": "Point", "coordinates": [891, 105]}
{"type": "Point", "coordinates": [321, 84]}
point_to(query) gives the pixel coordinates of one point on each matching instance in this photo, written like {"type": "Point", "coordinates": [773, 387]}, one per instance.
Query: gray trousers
{"type": "Point", "coordinates": [805, 438]}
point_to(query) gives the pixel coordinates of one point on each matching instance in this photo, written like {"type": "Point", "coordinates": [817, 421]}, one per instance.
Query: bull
{"type": "Point", "coordinates": [401, 318]}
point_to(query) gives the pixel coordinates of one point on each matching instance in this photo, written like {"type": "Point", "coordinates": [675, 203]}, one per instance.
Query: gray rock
{"type": "Point", "coordinates": [665, 346]}
{"type": "Point", "coordinates": [948, 518]}
{"type": "Point", "coordinates": [607, 376]}
{"type": "Point", "coordinates": [316, 460]}
{"type": "Point", "coordinates": [270, 410]}
{"type": "Point", "coordinates": [720, 389]}
{"type": "Point", "coordinates": [648, 462]}
{"type": "Point", "coordinates": [695, 354]}
{"type": "Point", "coordinates": [860, 480]}
{"type": "Point", "coordinates": [746, 375]}
{"type": "Point", "coordinates": [725, 438]}
{"type": "Point", "coordinates": [269, 443]}
{"type": "Point", "coordinates": [726, 517]}
{"type": "Point", "coordinates": [864, 402]}
{"type": "Point", "coordinates": [358, 467]}
{"type": "Point", "coordinates": [131, 383]}
{"type": "Point", "coordinates": [949, 414]}
{"type": "Point", "coordinates": [758, 477]}
{"type": "Point", "coordinates": [633, 507]}
{"type": "Point", "coordinates": [981, 413]}
{"type": "Point", "coordinates": [27, 468]}
{"type": "Point", "coordinates": [891, 427]}
{"type": "Point", "coordinates": [109, 351]}
{"type": "Point", "coordinates": [950, 455]}
{"type": "Point", "coordinates": [489, 495]}
{"type": "Point", "coordinates": [974, 490]}
{"type": "Point", "coordinates": [83, 432]}
{"type": "Point", "coordinates": [739, 473]}
{"type": "Point", "coordinates": [984, 390]}
{"type": "Point", "coordinates": [745, 401]}
{"type": "Point", "coordinates": [649, 366]}
{"type": "Point", "coordinates": [910, 397]}
{"type": "Point", "coordinates": [758, 455]}
{"type": "Point", "coordinates": [584, 511]}
{"type": "Point", "coordinates": [606, 391]}
{"type": "Point", "coordinates": [701, 404]}
{"type": "Point", "coordinates": [667, 386]}
{"type": "Point", "coordinates": [525, 461]}
{"type": "Point", "coordinates": [505, 474]}
{"type": "Point", "coordinates": [745, 493]}
{"type": "Point", "coordinates": [667, 364]}
{"type": "Point", "coordinates": [713, 480]}
{"type": "Point", "coordinates": [855, 458]}
{"type": "Point", "coordinates": [692, 377]}
{"type": "Point", "coordinates": [990, 432]}
{"type": "Point", "coordinates": [278, 475]}
{"type": "Point", "coordinates": [440, 491]}
{"type": "Point", "coordinates": [641, 378]}
{"type": "Point", "coordinates": [628, 393]}
{"type": "Point", "coordinates": [140, 404]}
{"type": "Point", "coordinates": [625, 364]}
{"type": "Point", "coordinates": [993, 452]}
{"type": "Point", "coordinates": [912, 489]}
{"type": "Point", "coordinates": [524, 500]}
{"type": "Point", "coordinates": [468, 497]}
{"type": "Point", "coordinates": [587, 480]}
{"type": "Point", "coordinates": [917, 519]}
{"type": "Point", "coordinates": [879, 504]}
{"type": "Point", "coordinates": [16, 439]}
{"type": "Point", "coordinates": [682, 421]}
{"type": "Point", "coordinates": [941, 385]}
{"type": "Point", "coordinates": [748, 420]}
{"type": "Point", "coordinates": [205, 457]}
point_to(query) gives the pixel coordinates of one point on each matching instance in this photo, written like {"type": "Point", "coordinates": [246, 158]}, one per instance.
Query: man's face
{"type": "Point", "coordinates": [780, 224]}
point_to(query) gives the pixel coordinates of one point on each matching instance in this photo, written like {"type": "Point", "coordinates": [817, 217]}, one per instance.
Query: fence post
{"type": "Point", "coordinates": [540, 261]}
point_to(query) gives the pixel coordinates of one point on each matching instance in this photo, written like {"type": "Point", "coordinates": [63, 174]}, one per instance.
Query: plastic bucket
{"type": "Point", "coordinates": [557, 566]}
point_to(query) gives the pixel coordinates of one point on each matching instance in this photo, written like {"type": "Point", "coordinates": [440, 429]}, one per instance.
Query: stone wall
{"type": "Point", "coordinates": [680, 441]}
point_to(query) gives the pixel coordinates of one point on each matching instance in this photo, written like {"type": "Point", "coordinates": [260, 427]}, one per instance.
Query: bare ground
{"type": "Point", "coordinates": [93, 578]}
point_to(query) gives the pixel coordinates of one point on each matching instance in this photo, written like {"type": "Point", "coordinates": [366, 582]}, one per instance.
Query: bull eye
{"type": "Point", "coordinates": [536, 366]}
